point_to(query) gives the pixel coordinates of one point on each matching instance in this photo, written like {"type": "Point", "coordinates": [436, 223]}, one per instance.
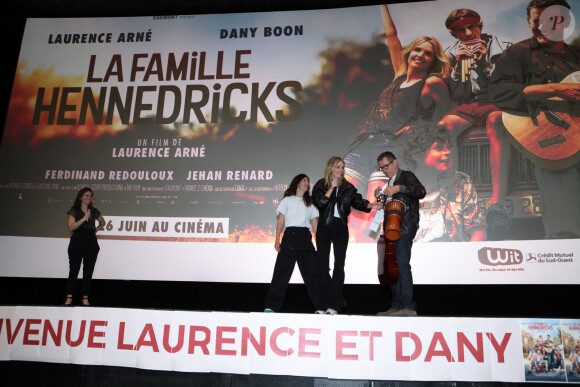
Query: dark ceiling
{"type": "Point", "coordinates": [72, 8]}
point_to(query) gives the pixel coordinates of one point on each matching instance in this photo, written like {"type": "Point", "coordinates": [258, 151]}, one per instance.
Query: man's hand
{"type": "Point", "coordinates": [391, 190]}
{"type": "Point", "coordinates": [566, 91]}
{"type": "Point", "coordinates": [470, 49]}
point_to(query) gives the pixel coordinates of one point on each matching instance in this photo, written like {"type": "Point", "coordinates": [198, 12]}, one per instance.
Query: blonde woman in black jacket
{"type": "Point", "coordinates": [334, 197]}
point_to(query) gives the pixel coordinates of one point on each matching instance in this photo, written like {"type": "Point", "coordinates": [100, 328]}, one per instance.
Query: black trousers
{"type": "Point", "coordinates": [336, 233]}
{"type": "Point", "coordinates": [83, 248]}
{"type": "Point", "coordinates": [296, 247]}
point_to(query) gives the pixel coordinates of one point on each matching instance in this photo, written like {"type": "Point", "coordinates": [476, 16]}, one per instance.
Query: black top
{"type": "Point", "coordinates": [412, 188]}
{"type": "Point", "coordinates": [345, 196]}
{"type": "Point", "coordinates": [395, 108]}
{"type": "Point", "coordinates": [89, 224]}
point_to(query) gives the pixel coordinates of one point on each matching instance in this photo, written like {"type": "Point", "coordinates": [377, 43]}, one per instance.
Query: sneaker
{"type": "Point", "coordinates": [331, 311]}
{"type": "Point", "coordinates": [388, 312]}
{"type": "Point", "coordinates": [405, 313]}
{"type": "Point", "coordinates": [320, 312]}
{"type": "Point", "coordinates": [268, 310]}
{"type": "Point", "coordinates": [496, 216]}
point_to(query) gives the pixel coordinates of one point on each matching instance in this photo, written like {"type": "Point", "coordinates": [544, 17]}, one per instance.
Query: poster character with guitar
{"type": "Point", "coordinates": [536, 84]}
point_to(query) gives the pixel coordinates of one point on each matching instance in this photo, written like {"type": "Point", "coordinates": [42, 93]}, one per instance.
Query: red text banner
{"type": "Point", "coordinates": [340, 347]}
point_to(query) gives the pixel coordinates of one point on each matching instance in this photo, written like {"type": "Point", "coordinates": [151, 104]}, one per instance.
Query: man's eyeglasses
{"type": "Point", "coordinates": [386, 165]}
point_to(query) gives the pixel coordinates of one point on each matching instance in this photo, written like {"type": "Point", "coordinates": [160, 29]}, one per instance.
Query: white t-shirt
{"type": "Point", "coordinates": [296, 214]}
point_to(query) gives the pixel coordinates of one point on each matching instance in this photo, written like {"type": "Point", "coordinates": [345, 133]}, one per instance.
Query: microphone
{"type": "Point", "coordinates": [89, 211]}
{"type": "Point", "coordinates": [335, 178]}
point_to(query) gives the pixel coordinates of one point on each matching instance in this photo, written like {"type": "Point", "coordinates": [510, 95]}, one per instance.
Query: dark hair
{"type": "Point", "coordinates": [291, 191]}
{"type": "Point", "coordinates": [545, 4]}
{"type": "Point", "coordinates": [460, 13]}
{"type": "Point", "coordinates": [389, 155]}
{"type": "Point", "coordinates": [77, 202]}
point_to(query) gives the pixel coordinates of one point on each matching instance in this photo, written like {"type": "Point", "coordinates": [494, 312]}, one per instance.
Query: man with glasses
{"type": "Point", "coordinates": [403, 183]}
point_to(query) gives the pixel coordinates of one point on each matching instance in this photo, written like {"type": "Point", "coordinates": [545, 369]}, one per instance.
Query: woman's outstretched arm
{"type": "Point", "coordinates": [393, 42]}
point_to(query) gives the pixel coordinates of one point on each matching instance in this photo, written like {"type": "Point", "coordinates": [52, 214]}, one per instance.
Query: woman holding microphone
{"type": "Point", "coordinates": [83, 247]}
{"type": "Point", "coordinates": [334, 197]}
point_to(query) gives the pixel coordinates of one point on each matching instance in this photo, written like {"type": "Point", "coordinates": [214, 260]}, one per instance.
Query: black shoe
{"type": "Point", "coordinates": [497, 216]}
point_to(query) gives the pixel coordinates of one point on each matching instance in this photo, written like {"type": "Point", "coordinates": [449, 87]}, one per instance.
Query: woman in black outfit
{"type": "Point", "coordinates": [83, 246]}
{"type": "Point", "coordinates": [334, 197]}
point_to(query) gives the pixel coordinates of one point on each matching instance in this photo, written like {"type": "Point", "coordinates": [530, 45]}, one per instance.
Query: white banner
{"type": "Point", "coordinates": [499, 262]}
{"type": "Point", "coordinates": [338, 347]}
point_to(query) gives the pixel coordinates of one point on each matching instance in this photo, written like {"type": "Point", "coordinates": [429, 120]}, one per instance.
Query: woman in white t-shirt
{"type": "Point", "coordinates": [296, 216]}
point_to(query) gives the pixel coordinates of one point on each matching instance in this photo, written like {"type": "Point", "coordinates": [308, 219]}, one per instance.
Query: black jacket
{"type": "Point", "coordinates": [411, 190]}
{"type": "Point", "coordinates": [345, 196]}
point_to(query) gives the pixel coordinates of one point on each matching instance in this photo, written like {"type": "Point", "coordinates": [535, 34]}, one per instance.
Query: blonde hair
{"type": "Point", "coordinates": [440, 66]}
{"type": "Point", "coordinates": [330, 165]}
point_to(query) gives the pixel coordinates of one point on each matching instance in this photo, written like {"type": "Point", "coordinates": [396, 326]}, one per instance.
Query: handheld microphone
{"type": "Point", "coordinates": [335, 178]}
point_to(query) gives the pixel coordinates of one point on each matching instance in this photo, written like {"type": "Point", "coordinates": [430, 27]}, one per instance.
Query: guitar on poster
{"type": "Point", "coordinates": [551, 139]}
